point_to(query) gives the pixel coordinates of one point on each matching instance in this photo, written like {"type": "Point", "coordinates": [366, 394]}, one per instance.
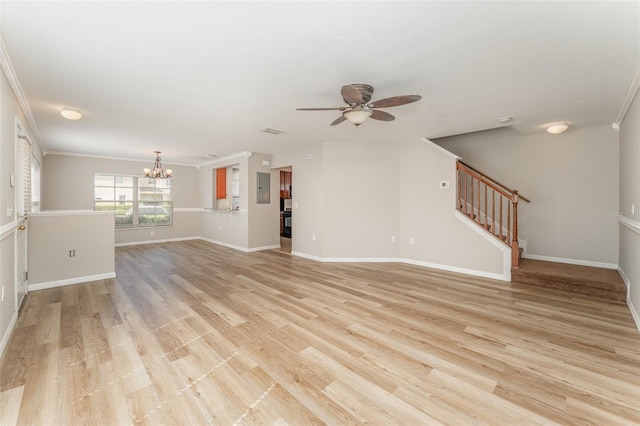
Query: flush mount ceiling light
{"type": "Point", "coordinates": [555, 129]}
{"type": "Point", "coordinates": [71, 114]}
{"type": "Point", "coordinates": [158, 172]}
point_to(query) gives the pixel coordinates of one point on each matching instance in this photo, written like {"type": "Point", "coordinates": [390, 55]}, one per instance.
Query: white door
{"type": "Point", "coordinates": [21, 262]}
{"type": "Point", "coordinates": [23, 208]}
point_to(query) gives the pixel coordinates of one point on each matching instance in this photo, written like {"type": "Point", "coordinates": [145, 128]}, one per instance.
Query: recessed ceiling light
{"type": "Point", "coordinates": [71, 114]}
{"type": "Point", "coordinates": [555, 129]}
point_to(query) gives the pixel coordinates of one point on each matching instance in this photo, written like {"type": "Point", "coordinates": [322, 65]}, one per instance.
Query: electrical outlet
{"type": "Point", "coordinates": [393, 239]}
{"type": "Point", "coordinates": [412, 240]}
{"type": "Point", "coordinates": [153, 233]}
{"type": "Point", "coordinates": [313, 237]}
{"type": "Point", "coordinates": [72, 253]}
{"type": "Point", "coordinates": [9, 210]}
{"type": "Point", "coordinates": [633, 209]}
{"type": "Point", "coordinates": [2, 300]}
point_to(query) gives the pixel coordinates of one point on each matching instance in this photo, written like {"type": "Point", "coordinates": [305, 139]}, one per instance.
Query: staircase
{"type": "Point", "coordinates": [490, 204]}
{"type": "Point", "coordinates": [585, 280]}
{"type": "Point", "coordinates": [494, 207]}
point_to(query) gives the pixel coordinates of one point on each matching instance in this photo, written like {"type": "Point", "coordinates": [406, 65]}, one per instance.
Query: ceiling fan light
{"type": "Point", "coordinates": [357, 116]}
{"type": "Point", "coordinates": [71, 114]}
{"type": "Point", "coordinates": [556, 129]}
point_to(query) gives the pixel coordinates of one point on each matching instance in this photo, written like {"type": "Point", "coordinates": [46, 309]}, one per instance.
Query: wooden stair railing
{"type": "Point", "coordinates": [491, 205]}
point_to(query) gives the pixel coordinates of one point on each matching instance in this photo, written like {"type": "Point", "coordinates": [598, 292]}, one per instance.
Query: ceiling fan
{"type": "Point", "coordinates": [357, 97]}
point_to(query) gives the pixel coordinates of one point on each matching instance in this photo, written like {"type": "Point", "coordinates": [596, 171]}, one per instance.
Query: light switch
{"type": "Point", "coordinates": [9, 210]}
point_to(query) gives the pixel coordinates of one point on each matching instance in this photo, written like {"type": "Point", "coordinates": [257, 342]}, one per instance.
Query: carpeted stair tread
{"type": "Point", "coordinates": [590, 281]}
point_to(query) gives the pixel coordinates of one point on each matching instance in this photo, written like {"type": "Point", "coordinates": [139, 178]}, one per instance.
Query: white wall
{"type": "Point", "coordinates": [356, 196]}
{"type": "Point", "coordinates": [362, 200]}
{"type": "Point", "coordinates": [571, 179]}
{"type": "Point", "coordinates": [441, 238]}
{"type": "Point", "coordinates": [53, 234]}
{"type": "Point", "coordinates": [9, 111]}
{"type": "Point", "coordinates": [229, 228]}
{"type": "Point", "coordinates": [307, 215]}
{"type": "Point", "coordinates": [8, 108]}
{"type": "Point", "coordinates": [68, 184]}
{"type": "Point", "coordinates": [264, 219]}
{"type": "Point", "coordinates": [629, 227]}
{"type": "Point", "coordinates": [254, 226]}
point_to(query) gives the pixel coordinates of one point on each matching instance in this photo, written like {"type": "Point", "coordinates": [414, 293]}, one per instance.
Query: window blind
{"type": "Point", "coordinates": [35, 184]}
{"type": "Point", "coordinates": [24, 173]}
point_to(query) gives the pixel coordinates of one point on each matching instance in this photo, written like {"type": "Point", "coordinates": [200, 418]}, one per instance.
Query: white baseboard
{"type": "Point", "coordinates": [223, 244]}
{"type": "Point", "coordinates": [632, 309]}
{"type": "Point", "coordinates": [252, 249]}
{"type": "Point", "coordinates": [7, 335]}
{"type": "Point", "coordinates": [220, 243]}
{"type": "Point", "coordinates": [474, 272]}
{"type": "Point", "coordinates": [625, 278]}
{"type": "Point", "coordinates": [307, 256]}
{"type": "Point", "coordinates": [634, 313]}
{"type": "Point", "coordinates": [483, 274]}
{"type": "Point", "coordinates": [71, 281]}
{"type": "Point", "coordinates": [570, 261]}
{"type": "Point", "coordinates": [362, 260]}
{"type": "Point", "coordinates": [166, 240]}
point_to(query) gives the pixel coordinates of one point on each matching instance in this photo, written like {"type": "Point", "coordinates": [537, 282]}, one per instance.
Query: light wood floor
{"type": "Point", "coordinates": [285, 245]}
{"type": "Point", "coordinates": [192, 333]}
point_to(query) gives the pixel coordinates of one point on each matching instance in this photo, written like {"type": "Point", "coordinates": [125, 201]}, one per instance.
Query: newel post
{"type": "Point", "coordinates": [515, 250]}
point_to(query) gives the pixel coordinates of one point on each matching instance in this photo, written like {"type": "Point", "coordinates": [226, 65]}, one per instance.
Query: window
{"type": "Point", "coordinates": [35, 185]}
{"type": "Point", "coordinates": [137, 201]}
{"type": "Point", "coordinates": [24, 176]}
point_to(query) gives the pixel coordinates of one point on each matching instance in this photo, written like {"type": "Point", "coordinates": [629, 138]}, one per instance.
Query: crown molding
{"type": "Point", "coordinates": [628, 99]}
{"type": "Point", "coordinates": [12, 77]}
{"type": "Point", "coordinates": [243, 154]}
{"type": "Point", "coordinates": [104, 157]}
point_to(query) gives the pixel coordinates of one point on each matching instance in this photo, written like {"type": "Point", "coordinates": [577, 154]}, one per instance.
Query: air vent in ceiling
{"type": "Point", "coordinates": [272, 131]}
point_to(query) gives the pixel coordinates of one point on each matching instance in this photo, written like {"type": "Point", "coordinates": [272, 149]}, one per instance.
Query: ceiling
{"type": "Point", "coordinates": [194, 79]}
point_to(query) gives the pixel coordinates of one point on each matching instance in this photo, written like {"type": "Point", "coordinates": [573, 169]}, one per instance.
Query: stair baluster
{"type": "Point", "coordinates": [473, 201]}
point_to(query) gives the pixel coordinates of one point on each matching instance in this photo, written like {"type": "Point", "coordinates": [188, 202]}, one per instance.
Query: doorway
{"type": "Point", "coordinates": [286, 204]}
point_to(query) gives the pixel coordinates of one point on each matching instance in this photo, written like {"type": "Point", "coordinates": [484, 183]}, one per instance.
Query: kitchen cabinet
{"type": "Point", "coordinates": [285, 184]}
{"type": "Point", "coordinates": [221, 183]}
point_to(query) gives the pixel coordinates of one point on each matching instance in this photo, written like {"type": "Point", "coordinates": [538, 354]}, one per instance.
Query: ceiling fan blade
{"type": "Point", "coordinates": [322, 109]}
{"type": "Point", "coordinates": [381, 115]}
{"type": "Point", "coordinates": [351, 95]}
{"type": "Point", "coordinates": [394, 101]}
{"type": "Point", "coordinates": [338, 120]}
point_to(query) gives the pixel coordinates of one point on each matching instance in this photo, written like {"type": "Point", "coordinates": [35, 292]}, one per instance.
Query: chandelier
{"type": "Point", "coordinates": [158, 172]}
